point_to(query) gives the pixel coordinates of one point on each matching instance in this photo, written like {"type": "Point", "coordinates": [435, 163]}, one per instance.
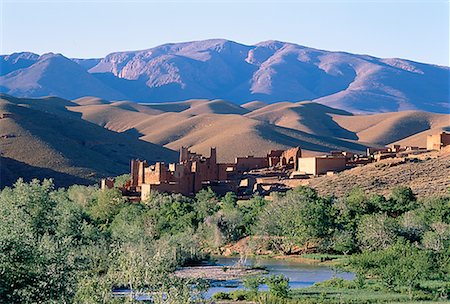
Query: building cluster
{"type": "Point", "coordinates": [250, 174]}
{"type": "Point", "coordinates": [194, 172]}
{"type": "Point", "coordinates": [435, 142]}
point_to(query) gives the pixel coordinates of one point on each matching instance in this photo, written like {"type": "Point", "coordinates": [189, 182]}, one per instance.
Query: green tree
{"type": "Point", "coordinates": [298, 217]}
{"type": "Point", "coordinates": [250, 213]}
{"type": "Point", "coordinates": [106, 204]}
{"type": "Point", "coordinates": [128, 224]}
{"type": "Point", "coordinates": [401, 265]}
{"type": "Point", "coordinates": [207, 203]}
{"type": "Point", "coordinates": [402, 199]}
{"type": "Point", "coordinates": [229, 201]}
{"type": "Point", "coordinates": [121, 180]}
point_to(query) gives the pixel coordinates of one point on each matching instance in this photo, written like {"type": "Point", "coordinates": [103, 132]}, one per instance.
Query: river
{"type": "Point", "coordinates": [299, 274]}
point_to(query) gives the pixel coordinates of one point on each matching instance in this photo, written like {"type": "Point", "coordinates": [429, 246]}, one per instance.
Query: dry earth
{"type": "Point", "coordinates": [84, 139]}
{"type": "Point", "coordinates": [427, 174]}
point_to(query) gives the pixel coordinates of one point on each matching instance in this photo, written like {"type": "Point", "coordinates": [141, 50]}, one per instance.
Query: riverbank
{"type": "Point", "coordinates": [218, 273]}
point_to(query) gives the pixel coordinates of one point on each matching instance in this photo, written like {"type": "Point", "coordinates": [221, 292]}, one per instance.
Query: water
{"type": "Point", "coordinates": [299, 274]}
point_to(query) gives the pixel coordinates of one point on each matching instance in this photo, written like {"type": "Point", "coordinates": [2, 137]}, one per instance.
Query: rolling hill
{"type": "Point", "coordinates": [83, 139]}
{"type": "Point", "coordinates": [267, 72]}
{"type": "Point", "coordinates": [36, 142]}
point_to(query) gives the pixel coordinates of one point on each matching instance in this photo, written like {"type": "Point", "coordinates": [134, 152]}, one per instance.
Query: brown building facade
{"type": "Point", "coordinates": [322, 164]}
{"type": "Point", "coordinates": [185, 177]}
{"type": "Point", "coordinates": [438, 141]}
{"type": "Point", "coordinates": [288, 158]}
{"type": "Point", "coordinates": [194, 171]}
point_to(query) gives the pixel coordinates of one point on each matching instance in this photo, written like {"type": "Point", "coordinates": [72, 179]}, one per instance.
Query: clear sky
{"type": "Point", "coordinates": [416, 30]}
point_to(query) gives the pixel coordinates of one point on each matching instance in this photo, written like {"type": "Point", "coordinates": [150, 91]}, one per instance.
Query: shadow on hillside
{"type": "Point", "coordinates": [11, 170]}
{"type": "Point", "coordinates": [306, 141]}
{"type": "Point", "coordinates": [318, 118]}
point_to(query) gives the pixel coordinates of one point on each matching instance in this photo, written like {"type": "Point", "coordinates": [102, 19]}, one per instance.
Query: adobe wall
{"type": "Point", "coordinates": [324, 164]}
{"type": "Point", "coordinates": [307, 165]}
{"type": "Point", "coordinates": [274, 157]}
{"type": "Point", "coordinates": [290, 157]}
{"type": "Point", "coordinates": [224, 170]}
{"type": "Point", "coordinates": [173, 187]}
{"type": "Point", "coordinates": [145, 191]}
{"type": "Point", "coordinates": [321, 165]}
{"type": "Point", "coordinates": [434, 142]}
{"type": "Point", "coordinates": [107, 183]}
{"type": "Point", "coordinates": [438, 141]}
{"type": "Point", "coordinates": [250, 163]}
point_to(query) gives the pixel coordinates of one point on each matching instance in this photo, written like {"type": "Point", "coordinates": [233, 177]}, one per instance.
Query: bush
{"type": "Point", "coordinates": [402, 200]}
{"type": "Point", "coordinates": [401, 265]}
{"type": "Point", "coordinates": [252, 283]}
{"type": "Point", "coordinates": [278, 286]}
{"type": "Point", "coordinates": [221, 296]}
{"type": "Point", "coordinates": [338, 283]}
{"type": "Point", "coordinates": [240, 295]}
{"type": "Point", "coordinates": [299, 216]}
{"type": "Point", "coordinates": [376, 232]}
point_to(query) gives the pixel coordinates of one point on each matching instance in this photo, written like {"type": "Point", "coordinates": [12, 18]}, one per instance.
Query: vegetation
{"type": "Point", "coordinates": [77, 245]}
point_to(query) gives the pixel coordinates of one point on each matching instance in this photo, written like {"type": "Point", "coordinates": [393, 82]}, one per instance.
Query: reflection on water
{"type": "Point", "coordinates": [299, 274]}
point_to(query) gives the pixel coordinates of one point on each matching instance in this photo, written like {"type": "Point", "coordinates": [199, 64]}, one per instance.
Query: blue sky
{"type": "Point", "coordinates": [416, 30]}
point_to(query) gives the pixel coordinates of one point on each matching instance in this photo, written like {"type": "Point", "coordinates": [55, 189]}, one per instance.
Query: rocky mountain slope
{"type": "Point", "coordinates": [270, 71]}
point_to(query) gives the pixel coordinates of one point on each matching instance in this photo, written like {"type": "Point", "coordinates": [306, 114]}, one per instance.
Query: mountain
{"type": "Point", "coordinates": [55, 75]}
{"type": "Point", "coordinates": [266, 72]}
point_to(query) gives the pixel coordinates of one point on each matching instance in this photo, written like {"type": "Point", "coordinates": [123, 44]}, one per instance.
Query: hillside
{"type": "Point", "coordinates": [270, 71]}
{"type": "Point", "coordinates": [426, 175]}
{"type": "Point", "coordinates": [37, 142]}
{"type": "Point", "coordinates": [91, 137]}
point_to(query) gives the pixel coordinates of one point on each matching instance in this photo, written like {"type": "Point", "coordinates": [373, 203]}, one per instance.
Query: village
{"type": "Point", "coordinates": [278, 171]}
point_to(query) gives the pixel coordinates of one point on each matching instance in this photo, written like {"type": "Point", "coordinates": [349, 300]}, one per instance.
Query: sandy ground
{"type": "Point", "coordinates": [217, 273]}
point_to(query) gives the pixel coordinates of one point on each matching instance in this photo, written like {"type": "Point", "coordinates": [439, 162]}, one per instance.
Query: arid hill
{"type": "Point", "coordinates": [426, 174]}
{"type": "Point", "coordinates": [91, 137]}
{"type": "Point", "coordinates": [41, 138]}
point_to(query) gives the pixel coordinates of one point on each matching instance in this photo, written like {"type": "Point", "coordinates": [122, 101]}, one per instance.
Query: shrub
{"type": "Point", "coordinates": [278, 286]}
{"type": "Point", "coordinates": [252, 283]}
{"type": "Point", "coordinates": [402, 200]}
{"type": "Point", "coordinates": [221, 296]}
{"type": "Point", "coordinates": [401, 265]}
{"type": "Point", "coordinates": [239, 295]}
{"type": "Point", "coordinates": [376, 232]}
{"type": "Point", "coordinates": [338, 283]}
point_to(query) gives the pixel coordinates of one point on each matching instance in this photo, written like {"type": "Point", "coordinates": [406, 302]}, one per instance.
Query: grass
{"type": "Point", "coordinates": [323, 295]}
{"type": "Point", "coordinates": [334, 291]}
{"type": "Point", "coordinates": [345, 295]}
{"type": "Point", "coordinates": [323, 256]}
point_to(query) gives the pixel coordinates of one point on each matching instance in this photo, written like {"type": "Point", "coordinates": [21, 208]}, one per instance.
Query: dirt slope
{"type": "Point", "coordinates": [76, 149]}
{"type": "Point", "coordinates": [429, 174]}
{"type": "Point", "coordinates": [90, 137]}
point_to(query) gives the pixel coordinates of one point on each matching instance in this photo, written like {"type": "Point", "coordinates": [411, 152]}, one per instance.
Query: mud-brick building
{"type": "Point", "coordinates": [438, 141]}
{"type": "Point", "coordinates": [322, 164]}
{"type": "Point", "coordinates": [284, 158]}
{"type": "Point", "coordinates": [186, 177]}
{"type": "Point", "coordinates": [194, 171]}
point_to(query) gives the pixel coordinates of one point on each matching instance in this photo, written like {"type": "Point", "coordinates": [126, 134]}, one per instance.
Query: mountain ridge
{"type": "Point", "coordinates": [270, 71]}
